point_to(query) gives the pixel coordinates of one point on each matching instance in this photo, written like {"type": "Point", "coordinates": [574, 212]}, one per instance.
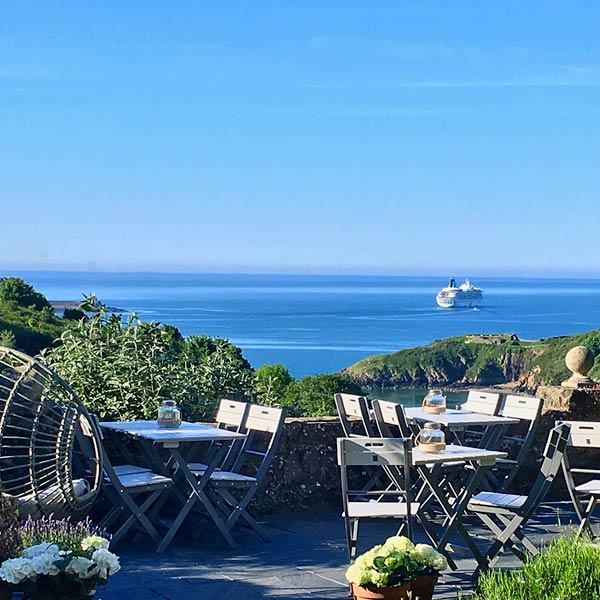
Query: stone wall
{"type": "Point", "coordinates": [304, 471]}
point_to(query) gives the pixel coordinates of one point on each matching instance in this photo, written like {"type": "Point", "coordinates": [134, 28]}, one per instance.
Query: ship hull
{"type": "Point", "coordinates": [459, 300]}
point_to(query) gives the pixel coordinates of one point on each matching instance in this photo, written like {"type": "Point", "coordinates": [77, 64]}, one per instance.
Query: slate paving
{"type": "Point", "coordinates": [306, 560]}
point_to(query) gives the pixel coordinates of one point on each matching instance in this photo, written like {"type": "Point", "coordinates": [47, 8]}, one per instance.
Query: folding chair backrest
{"type": "Point", "coordinates": [483, 403]}
{"type": "Point", "coordinates": [521, 407]}
{"type": "Point", "coordinates": [390, 414]}
{"type": "Point", "coordinates": [584, 434]}
{"type": "Point", "coordinates": [370, 452]}
{"type": "Point", "coordinates": [231, 414]}
{"type": "Point", "coordinates": [107, 466]}
{"type": "Point", "coordinates": [266, 422]}
{"type": "Point", "coordinates": [553, 455]}
{"type": "Point", "coordinates": [350, 405]}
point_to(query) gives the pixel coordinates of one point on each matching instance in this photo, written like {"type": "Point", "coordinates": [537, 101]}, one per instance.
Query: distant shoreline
{"type": "Point", "coordinates": [61, 305]}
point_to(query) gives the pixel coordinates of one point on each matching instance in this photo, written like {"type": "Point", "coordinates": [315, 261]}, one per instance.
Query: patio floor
{"type": "Point", "coordinates": [306, 559]}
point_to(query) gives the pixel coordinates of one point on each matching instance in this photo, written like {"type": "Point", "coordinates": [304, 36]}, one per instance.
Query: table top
{"type": "Point", "coordinates": [454, 453]}
{"type": "Point", "coordinates": [188, 432]}
{"type": "Point", "coordinates": [457, 419]}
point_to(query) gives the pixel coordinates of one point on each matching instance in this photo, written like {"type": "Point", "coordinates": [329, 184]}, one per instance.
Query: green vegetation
{"type": "Point", "coordinates": [313, 396]}
{"type": "Point", "coordinates": [475, 360]}
{"type": "Point", "coordinates": [27, 321]}
{"type": "Point", "coordinates": [270, 384]}
{"type": "Point", "coordinates": [123, 370]}
{"type": "Point", "coordinates": [568, 569]}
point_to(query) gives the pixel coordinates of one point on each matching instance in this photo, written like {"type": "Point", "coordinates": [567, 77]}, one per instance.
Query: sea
{"type": "Point", "coordinates": [322, 323]}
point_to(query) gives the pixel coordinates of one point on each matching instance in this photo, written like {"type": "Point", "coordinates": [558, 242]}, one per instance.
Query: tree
{"type": "Point", "coordinates": [313, 396]}
{"type": "Point", "coordinates": [15, 291]}
{"type": "Point", "coordinates": [270, 384]}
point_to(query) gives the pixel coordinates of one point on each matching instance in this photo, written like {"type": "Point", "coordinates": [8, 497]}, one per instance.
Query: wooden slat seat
{"type": "Point", "coordinates": [381, 510]}
{"type": "Point", "coordinates": [144, 480]}
{"type": "Point", "coordinates": [130, 469]}
{"type": "Point", "coordinates": [498, 500]}
{"type": "Point", "coordinates": [590, 487]}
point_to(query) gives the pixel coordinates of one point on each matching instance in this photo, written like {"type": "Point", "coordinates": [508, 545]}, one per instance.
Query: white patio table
{"type": "Point", "coordinates": [190, 488]}
{"type": "Point", "coordinates": [456, 421]}
{"type": "Point", "coordinates": [429, 466]}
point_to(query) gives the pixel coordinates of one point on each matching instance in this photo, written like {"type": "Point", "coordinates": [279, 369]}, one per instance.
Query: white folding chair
{"type": "Point", "coordinates": [483, 403]}
{"type": "Point", "coordinates": [123, 485]}
{"type": "Point", "coordinates": [389, 416]}
{"type": "Point", "coordinates": [583, 435]}
{"type": "Point", "coordinates": [233, 490]}
{"type": "Point", "coordinates": [231, 415]}
{"type": "Point", "coordinates": [505, 515]}
{"type": "Point", "coordinates": [529, 411]}
{"type": "Point", "coordinates": [390, 455]}
{"type": "Point", "coordinates": [350, 405]}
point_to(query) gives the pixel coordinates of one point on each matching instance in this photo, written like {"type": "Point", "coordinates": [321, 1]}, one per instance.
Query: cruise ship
{"type": "Point", "coordinates": [463, 296]}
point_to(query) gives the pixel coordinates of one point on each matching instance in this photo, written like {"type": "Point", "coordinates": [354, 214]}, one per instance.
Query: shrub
{"type": "Point", "coordinates": [568, 569]}
{"type": "Point", "coordinates": [270, 384]}
{"type": "Point", "coordinates": [123, 370]}
{"type": "Point", "coordinates": [15, 291]}
{"type": "Point", "coordinates": [313, 396]}
{"type": "Point", "coordinates": [7, 338]}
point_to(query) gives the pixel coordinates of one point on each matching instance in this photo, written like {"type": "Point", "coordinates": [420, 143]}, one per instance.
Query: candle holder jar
{"type": "Point", "coordinates": [431, 438]}
{"type": "Point", "coordinates": [169, 416]}
{"type": "Point", "coordinates": [434, 402]}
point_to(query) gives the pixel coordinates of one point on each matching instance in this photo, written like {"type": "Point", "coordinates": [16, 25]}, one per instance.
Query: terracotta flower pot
{"type": "Point", "coordinates": [399, 592]}
{"type": "Point", "coordinates": [422, 587]}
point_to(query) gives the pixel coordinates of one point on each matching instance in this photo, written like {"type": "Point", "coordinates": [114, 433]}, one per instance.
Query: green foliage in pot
{"type": "Point", "coordinates": [568, 569]}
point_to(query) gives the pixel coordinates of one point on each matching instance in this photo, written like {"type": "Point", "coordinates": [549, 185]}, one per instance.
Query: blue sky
{"type": "Point", "coordinates": [374, 137]}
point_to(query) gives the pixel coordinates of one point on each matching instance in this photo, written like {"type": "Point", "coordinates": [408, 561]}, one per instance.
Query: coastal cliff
{"type": "Point", "coordinates": [475, 360]}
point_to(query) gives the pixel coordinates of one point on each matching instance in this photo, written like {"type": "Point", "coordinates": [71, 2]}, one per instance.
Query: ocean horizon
{"type": "Point", "coordinates": [324, 323]}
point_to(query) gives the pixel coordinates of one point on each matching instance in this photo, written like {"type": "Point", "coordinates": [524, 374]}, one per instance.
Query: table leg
{"type": "Point", "coordinates": [197, 494]}
{"type": "Point", "coordinates": [455, 512]}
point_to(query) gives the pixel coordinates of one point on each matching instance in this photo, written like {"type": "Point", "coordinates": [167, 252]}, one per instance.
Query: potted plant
{"type": "Point", "coordinates": [59, 560]}
{"type": "Point", "coordinates": [396, 570]}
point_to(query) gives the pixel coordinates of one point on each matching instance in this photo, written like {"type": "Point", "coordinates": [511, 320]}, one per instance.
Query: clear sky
{"type": "Point", "coordinates": [299, 136]}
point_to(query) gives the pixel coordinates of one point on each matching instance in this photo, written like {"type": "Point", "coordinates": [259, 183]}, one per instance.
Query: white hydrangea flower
{"type": "Point", "coordinates": [399, 543]}
{"type": "Point", "coordinates": [440, 563]}
{"type": "Point", "coordinates": [16, 570]}
{"type": "Point", "coordinates": [94, 542]}
{"type": "Point", "coordinates": [45, 564]}
{"type": "Point", "coordinates": [107, 562]}
{"type": "Point", "coordinates": [39, 549]}
{"type": "Point", "coordinates": [425, 553]}
{"type": "Point", "coordinates": [81, 566]}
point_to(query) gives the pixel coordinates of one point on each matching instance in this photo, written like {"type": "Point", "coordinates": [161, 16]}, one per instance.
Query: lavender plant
{"type": "Point", "coordinates": [59, 560]}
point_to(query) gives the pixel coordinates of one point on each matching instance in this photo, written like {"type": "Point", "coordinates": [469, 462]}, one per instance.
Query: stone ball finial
{"type": "Point", "coordinates": [579, 361]}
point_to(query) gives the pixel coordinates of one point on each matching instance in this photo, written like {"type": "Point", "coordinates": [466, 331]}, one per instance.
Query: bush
{"type": "Point", "coordinates": [569, 569]}
{"type": "Point", "coordinates": [313, 396]}
{"type": "Point", "coordinates": [271, 383]}
{"type": "Point", "coordinates": [124, 370]}
{"type": "Point", "coordinates": [15, 291]}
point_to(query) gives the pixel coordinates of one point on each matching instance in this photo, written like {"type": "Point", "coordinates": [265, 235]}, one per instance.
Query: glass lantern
{"type": "Point", "coordinates": [431, 438]}
{"type": "Point", "coordinates": [169, 415]}
{"type": "Point", "coordinates": [434, 402]}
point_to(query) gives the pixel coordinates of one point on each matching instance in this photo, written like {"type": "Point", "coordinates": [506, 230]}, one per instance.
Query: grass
{"type": "Point", "coordinates": [568, 569]}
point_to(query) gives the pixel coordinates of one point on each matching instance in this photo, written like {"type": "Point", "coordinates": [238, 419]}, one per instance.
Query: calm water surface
{"type": "Point", "coordinates": [321, 324]}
